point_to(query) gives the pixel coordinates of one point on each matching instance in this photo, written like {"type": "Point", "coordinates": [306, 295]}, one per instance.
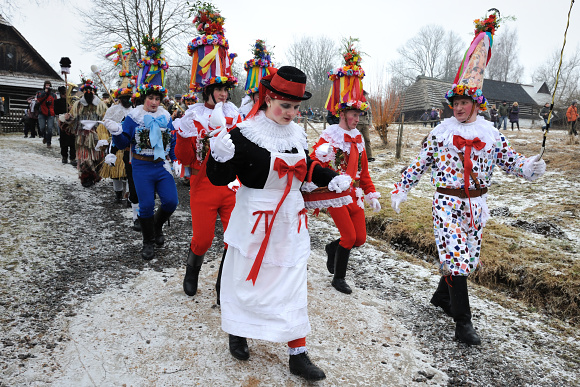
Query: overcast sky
{"type": "Point", "coordinates": [381, 25]}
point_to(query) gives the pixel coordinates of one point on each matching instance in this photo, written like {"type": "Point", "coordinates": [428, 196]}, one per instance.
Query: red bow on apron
{"type": "Point", "coordinates": [460, 143]}
{"type": "Point", "coordinates": [299, 170]}
{"type": "Point", "coordinates": [352, 166]}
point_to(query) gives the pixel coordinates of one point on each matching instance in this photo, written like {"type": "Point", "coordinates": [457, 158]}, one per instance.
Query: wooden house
{"type": "Point", "coordinates": [22, 73]}
{"type": "Point", "coordinates": [427, 93]}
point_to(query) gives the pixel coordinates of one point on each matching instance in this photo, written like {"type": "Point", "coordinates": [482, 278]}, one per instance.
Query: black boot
{"type": "Point", "coordinates": [239, 347]}
{"type": "Point", "coordinates": [148, 229]}
{"type": "Point", "coordinates": [331, 252]}
{"type": "Point", "coordinates": [118, 196]}
{"type": "Point", "coordinates": [218, 283]}
{"type": "Point", "coordinates": [192, 269]}
{"type": "Point", "coordinates": [160, 218]}
{"type": "Point", "coordinates": [340, 264]}
{"type": "Point", "coordinates": [464, 330]}
{"type": "Point", "coordinates": [441, 297]}
{"type": "Point", "coordinates": [301, 365]}
{"type": "Point", "coordinates": [137, 225]}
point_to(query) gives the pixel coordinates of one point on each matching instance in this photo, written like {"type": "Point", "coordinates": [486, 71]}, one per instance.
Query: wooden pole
{"type": "Point", "coordinates": [400, 137]}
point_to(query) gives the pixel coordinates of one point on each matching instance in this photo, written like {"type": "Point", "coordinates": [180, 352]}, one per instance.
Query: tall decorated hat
{"type": "Point", "coordinates": [469, 78]}
{"type": "Point", "coordinates": [189, 97]}
{"type": "Point", "coordinates": [211, 62]}
{"type": "Point", "coordinates": [257, 67]}
{"type": "Point", "coordinates": [88, 84]}
{"type": "Point", "coordinates": [121, 58]}
{"type": "Point", "coordinates": [152, 67]}
{"type": "Point", "coordinates": [347, 88]}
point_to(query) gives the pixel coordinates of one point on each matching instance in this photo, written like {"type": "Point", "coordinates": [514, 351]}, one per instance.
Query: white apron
{"type": "Point", "coordinates": [275, 307]}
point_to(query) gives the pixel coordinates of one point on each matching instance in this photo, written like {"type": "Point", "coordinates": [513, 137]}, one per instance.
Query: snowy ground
{"type": "Point", "coordinates": [79, 307]}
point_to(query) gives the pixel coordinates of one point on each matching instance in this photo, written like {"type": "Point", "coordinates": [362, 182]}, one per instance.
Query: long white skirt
{"type": "Point", "coordinates": [274, 309]}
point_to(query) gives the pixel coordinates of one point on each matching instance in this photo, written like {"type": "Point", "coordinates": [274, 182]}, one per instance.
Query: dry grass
{"type": "Point", "coordinates": [510, 263]}
{"type": "Point", "coordinates": [541, 271]}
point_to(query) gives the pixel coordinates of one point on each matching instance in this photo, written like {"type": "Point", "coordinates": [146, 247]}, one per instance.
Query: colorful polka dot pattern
{"type": "Point", "coordinates": [447, 167]}
{"type": "Point", "coordinates": [458, 243]}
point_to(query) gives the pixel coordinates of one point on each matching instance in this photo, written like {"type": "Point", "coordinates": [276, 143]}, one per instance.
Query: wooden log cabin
{"type": "Point", "coordinates": [22, 73]}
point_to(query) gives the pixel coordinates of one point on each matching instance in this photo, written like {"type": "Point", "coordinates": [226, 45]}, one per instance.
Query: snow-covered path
{"type": "Point", "coordinates": [80, 308]}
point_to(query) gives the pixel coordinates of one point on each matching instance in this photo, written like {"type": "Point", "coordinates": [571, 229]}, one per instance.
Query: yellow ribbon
{"type": "Point", "coordinates": [208, 59]}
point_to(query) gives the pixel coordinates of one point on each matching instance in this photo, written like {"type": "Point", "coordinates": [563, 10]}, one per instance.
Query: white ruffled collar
{"type": "Point", "coordinates": [117, 112]}
{"type": "Point", "coordinates": [138, 114]}
{"type": "Point", "coordinates": [480, 128]}
{"type": "Point", "coordinates": [95, 102]}
{"type": "Point", "coordinates": [334, 134]}
{"type": "Point", "coordinates": [272, 136]}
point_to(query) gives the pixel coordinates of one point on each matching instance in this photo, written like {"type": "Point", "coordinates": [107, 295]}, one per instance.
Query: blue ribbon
{"type": "Point", "coordinates": [155, 125]}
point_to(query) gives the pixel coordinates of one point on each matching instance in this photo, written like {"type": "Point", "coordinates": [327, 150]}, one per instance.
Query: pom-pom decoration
{"type": "Point", "coordinates": [257, 67]}
{"type": "Point", "coordinates": [211, 62]}
{"type": "Point", "coordinates": [347, 87]}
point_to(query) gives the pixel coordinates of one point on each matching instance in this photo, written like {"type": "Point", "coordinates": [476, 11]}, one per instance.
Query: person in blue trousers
{"type": "Point", "coordinates": [148, 130]}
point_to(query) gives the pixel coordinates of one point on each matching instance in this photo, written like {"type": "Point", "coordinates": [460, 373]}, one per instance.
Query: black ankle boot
{"type": "Point", "coordinates": [239, 347]}
{"type": "Point", "coordinates": [464, 331]}
{"type": "Point", "coordinates": [218, 282]}
{"type": "Point", "coordinates": [148, 230]}
{"type": "Point", "coordinates": [192, 269]}
{"type": "Point", "coordinates": [160, 217]}
{"type": "Point", "coordinates": [331, 252]}
{"type": "Point", "coordinates": [441, 298]}
{"type": "Point", "coordinates": [118, 196]}
{"type": "Point", "coordinates": [340, 265]}
{"type": "Point", "coordinates": [301, 365]}
{"type": "Point", "coordinates": [137, 225]}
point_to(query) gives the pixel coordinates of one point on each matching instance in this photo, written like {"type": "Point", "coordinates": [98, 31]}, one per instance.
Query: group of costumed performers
{"type": "Point", "coordinates": [264, 278]}
{"type": "Point", "coordinates": [89, 108]}
{"type": "Point", "coordinates": [257, 68]}
{"type": "Point", "coordinates": [147, 129]}
{"type": "Point", "coordinates": [342, 149]}
{"type": "Point", "coordinates": [211, 74]}
{"type": "Point", "coordinates": [462, 152]}
{"type": "Point", "coordinates": [115, 167]}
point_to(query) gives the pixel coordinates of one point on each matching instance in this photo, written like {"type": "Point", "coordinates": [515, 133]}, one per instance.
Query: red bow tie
{"type": "Point", "coordinates": [352, 166]}
{"type": "Point", "coordinates": [460, 143]}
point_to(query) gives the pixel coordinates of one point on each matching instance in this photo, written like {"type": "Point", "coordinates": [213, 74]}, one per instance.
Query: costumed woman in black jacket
{"type": "Point", "coordinates": [263, 286]}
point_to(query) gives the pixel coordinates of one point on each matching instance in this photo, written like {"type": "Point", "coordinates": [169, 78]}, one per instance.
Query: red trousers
{"type": "Point", "coordinates": [350, 221]}
{"type": "Point", "coordinates": [206, 202]}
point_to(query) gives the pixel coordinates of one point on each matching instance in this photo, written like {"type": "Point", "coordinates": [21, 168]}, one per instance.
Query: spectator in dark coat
{"type": "Point", "coordinates": [434, 117]}
{"type": "Point", "coordinates": [46, 100]}
{"type": "Point", "coordinates": [425, 118]}
{"type": "Point", "coordinates": [494, 115]}
{"type": "Point", "coordinates": [544, 112]}
{"type": "Point", "coordinates": [503, 115]}
{"type": "Point", "coordinates": [514, 115]}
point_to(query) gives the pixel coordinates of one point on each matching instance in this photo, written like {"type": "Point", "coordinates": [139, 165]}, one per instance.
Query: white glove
{"type": "Point", "coordinates": [340, 183]}
{"type": "Point", "coordinates": [111, 159]}
{"type": "Point", "coordinates": [113, 127]}
{"type": "Point", "coordinates": [234, 185]}
{"type": "Point", "coordinates": [218, 119]}
{"type": "Point", "coordinates": [177, 168]}
{"type": "Point", "coordinates": [535, 167]}
{"type": "Point", "coordinates": [396, 200]}
{"type": "Point", "coordinates": [375, 205]}
{"type": "Point", "coordinates": [222, 147]}
{"type": "Point", "coordinates": [100, 144]}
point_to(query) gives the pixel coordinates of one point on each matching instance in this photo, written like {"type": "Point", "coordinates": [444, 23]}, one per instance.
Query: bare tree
{"type": "Point", "coordinates": [314, 56]}
{"type": "Point", "coordinates": [110, 22]}
{"type": "Point", "coordinates": [504, 64]}
{"type": "Point", "coordinates": [432, 52]}
{"type": "Point", "coordinates": [569, 82]}
{"type": "Point", "coordinates": [451, 56]}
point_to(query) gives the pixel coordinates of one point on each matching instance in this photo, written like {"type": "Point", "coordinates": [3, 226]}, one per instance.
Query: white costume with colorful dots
{"type": "Point", "coordinates": [458, 239]}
